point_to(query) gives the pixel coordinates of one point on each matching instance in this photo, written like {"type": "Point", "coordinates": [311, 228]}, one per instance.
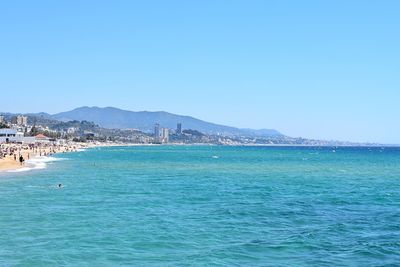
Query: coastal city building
{"type": "Point", "coordinates": [161, 135]}
{"type": "Point", "coordinates": [2, 119]}
{"type": "Point", "coordinates": [7, 135]}
{"type": "Point", "coordinates": [22, 120]}
{"type": "Point", "coordinates": [165, 135]}
{"type": "Point", "coordinates": [157, 133]}
{"type": "Point", "coordinates": [71, 130]}
{"type": "Point", "coordinates": [179, 128]}
{"type": "Point", "coordinates": [90, 135]}
{"type": "Point", "coordinates": [41, 138]}
{"type": "Point", "coordinates": [14, 136]}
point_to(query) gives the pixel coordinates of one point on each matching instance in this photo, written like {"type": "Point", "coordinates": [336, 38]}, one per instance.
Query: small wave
{"type": "Point", "coordinates": [36, 164]}
{"type": "Point", "coordinates": [22, 169]}
{"type": "Point", "coordinates": [44, 159]}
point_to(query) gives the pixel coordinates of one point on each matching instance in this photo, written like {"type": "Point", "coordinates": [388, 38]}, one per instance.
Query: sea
{"type": "Point", "coordinates": [204, 206]}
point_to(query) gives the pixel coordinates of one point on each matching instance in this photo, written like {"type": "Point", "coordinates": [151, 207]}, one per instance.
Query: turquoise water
{"type": "Point", "coordinates": [199, 206]}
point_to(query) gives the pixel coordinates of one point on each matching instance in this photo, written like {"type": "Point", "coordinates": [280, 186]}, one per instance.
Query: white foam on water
{"type": "Point", "coordinates": [36, 164]}
{"type": "Point", "coordinates": [21, 169]}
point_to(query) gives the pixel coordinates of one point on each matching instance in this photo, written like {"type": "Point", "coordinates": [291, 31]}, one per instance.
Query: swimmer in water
{"type": "Point", "coordinates": [60, 185]}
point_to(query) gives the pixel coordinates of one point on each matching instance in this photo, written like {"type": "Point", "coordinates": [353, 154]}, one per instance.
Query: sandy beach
{"type": "Point", "coordinates": [10, 153]}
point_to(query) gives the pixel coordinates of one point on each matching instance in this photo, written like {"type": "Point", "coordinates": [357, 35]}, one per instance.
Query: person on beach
{"type": "Point", "coordinates": [21, 159]}
{"type": "Point", "coordinates": [15, 157]}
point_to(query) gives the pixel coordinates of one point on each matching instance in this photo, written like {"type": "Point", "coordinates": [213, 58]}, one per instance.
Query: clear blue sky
{"type": "Point", "coordinates": [317, 69]}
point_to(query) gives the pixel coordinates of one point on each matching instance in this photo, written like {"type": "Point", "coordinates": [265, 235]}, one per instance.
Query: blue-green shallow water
{"type": "Point", "coordinates": [169, 206]}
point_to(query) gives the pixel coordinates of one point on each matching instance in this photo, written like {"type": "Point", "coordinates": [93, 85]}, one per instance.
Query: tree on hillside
{"type": "Point", "coordinates": [34, 131]}
{"type": "Point", "coordinates": [3, 125]}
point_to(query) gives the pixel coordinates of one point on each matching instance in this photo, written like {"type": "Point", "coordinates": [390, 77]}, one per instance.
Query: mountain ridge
{"type": "Point", "coordinates": [111, 117]}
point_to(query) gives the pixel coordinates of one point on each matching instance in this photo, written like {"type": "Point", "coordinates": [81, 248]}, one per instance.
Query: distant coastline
{"type": "Point", "coordinates": [88, 125]}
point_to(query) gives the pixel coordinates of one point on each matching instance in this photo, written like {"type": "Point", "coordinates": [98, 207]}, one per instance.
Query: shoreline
{"type": "Point", "coordinates": [35, 157]}
{"type": "Point", "coordinates": [11, 163]}
{"type": "Point", "coordinates": [43, 153]}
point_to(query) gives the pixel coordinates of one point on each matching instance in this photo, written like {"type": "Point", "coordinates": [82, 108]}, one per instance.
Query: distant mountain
{"type": "Point", "coordinates": [110, 117]}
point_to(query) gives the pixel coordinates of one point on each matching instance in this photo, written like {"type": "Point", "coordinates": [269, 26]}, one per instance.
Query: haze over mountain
{"type": "Point", "coordinates": [110, 117]}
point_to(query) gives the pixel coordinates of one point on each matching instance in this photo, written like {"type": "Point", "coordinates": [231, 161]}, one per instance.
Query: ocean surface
{"type": "Point", "coordinates": [204, 206]}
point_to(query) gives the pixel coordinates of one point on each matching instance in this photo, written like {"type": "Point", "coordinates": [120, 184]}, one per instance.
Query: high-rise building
{"type": "Point", "coordinates": [71, 130]}
{"type": "Point", "coordinates": [179, 128]}
{"type": "Point", "coordinates": [22, 120]}
{"type": "Point", "coordinates": [165, 135]}
{"type": "Point", "coordinates": [1, 119]}
{"type": "Point", "coordinates": [157, 133]}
